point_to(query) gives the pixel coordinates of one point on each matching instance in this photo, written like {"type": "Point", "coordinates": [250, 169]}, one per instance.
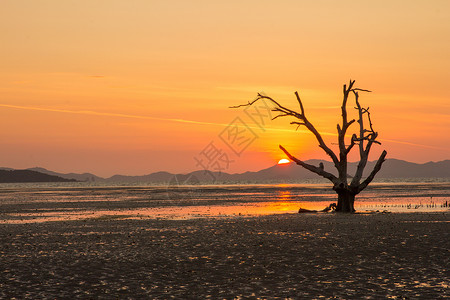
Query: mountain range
{"type": "Point", "coordinates": [392, 168]}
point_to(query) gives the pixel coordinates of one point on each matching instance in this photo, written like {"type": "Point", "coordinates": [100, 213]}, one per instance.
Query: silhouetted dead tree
{"type": "Point", "coordinates": [365, 138]}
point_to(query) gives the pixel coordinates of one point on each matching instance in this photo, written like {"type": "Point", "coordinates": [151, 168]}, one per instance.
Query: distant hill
{"type": "Point", "coordinates": [395, 168]}
{"type": "Point", "coordinates": [16, 176]}
{"type": "Point", "coordinates": [392, 168]}
{"type": "Point", "coordinates": [157, 177]}
{"type": "Point", "coordinates": [78, 177]}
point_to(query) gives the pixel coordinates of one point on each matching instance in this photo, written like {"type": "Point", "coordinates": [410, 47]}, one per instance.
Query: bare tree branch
{"type": "Point", "coordinates": [300, 102]}
{"type": "Point", "coordinates": [322, 143]}
{"type": "Point", "coordinates": [298, 124]}
{"type": "Point", "coordinates": [300, 116]}
{"type": "Point", "coordinates": [361, 125]}
{"type": "Point", "coordinates": [375, 170]}
{"type": "Point", "coordinates": [344, 103]}
{"type": "Point", "coordinates": [318, 170]}
{"type": "Point", "coordinates": [368, 118]}
{"type": "Point", "coordinates": [259, 97]}
{"type": "Point", "coordinates": [278, 116]}
{"type": "Point", "coordinates": [353, 142]}
{"type": "Point", "coordinates": [362, 90]}
{"type": "Point", "coordinates": [350, 123]}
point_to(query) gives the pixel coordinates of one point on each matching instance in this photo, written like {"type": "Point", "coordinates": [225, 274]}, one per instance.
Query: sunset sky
{"type": "Point", "coordinates": [134, 87]}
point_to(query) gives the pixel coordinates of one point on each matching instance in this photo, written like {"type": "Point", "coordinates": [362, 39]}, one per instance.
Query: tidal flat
{"type": "Point", "coordinates": [286, 256]}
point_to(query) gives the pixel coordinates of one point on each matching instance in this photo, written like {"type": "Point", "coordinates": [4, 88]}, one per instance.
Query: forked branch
{"type": "Point", "coordinates": [365, 135]}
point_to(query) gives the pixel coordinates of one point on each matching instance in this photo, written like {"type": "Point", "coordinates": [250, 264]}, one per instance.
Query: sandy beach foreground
{"type": "Point", "coordinates": [361, 256]}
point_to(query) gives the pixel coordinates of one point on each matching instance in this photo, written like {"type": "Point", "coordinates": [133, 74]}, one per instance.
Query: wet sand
{"type": "Point", "coordinates": [361, 256]}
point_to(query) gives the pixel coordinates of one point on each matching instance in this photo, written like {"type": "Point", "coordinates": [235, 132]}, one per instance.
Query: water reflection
{"type": "Point", "coordinates": [284, 195]}
{"type": "Point", "coordinates": [174, 212]}
{"type": "Point", "coordinates": [32, 205]}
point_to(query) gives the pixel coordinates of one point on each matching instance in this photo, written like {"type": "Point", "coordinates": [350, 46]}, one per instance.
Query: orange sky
{"type": "Point", "coordinates": [134, 87]}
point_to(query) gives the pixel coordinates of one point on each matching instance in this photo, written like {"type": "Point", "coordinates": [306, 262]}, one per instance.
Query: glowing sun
{"type": "Point", "coordinates": [283, 161]}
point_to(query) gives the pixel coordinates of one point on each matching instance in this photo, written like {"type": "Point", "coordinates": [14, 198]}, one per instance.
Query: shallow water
{"type": "Point", "coordinates": [33, 203]}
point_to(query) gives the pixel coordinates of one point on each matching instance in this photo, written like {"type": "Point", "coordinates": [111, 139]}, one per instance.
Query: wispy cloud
{"type": "Point", "coordinates": [107, 114]}
{"type": "Point", "coordinates": [118, 115]}
{"type": "Point", "coordinates": [412, 144]}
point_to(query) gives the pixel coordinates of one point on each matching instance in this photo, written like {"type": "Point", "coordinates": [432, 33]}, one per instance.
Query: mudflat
{"type": "Point", "coordinates": [347, 256]}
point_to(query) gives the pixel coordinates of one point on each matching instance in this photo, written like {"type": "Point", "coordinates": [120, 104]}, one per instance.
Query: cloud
{"type": "Point", "coordinates": [117, 115]}
{"type": "Point", "coordinates": [108, 114]}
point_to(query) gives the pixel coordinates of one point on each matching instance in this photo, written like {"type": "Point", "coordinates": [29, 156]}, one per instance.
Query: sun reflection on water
{"type": "Point", "coordinates": [284, 195]}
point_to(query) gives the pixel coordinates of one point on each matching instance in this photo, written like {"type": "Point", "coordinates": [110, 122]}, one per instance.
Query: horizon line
{"type": "Point", "coordinates": [200, 170]}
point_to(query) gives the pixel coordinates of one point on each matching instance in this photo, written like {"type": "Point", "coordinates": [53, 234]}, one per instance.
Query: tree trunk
{"type": "Point", "coordinates": [346, 200]}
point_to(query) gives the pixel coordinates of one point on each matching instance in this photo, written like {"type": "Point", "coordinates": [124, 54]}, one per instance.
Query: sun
{"type": "Point", "coordinates": [283, 161]}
